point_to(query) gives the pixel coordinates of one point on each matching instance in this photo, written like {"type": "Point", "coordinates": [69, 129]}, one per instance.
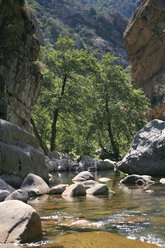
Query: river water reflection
{"type": "Point", "coordinates": [135, 213]}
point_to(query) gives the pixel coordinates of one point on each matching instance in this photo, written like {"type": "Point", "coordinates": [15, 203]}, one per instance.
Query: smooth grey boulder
{"type": "Point", "coordinates": [19, 223]}
{"type": "Point", "coordinates": [83, 176]}
{"type": "Point", "coordinates": [19, 152]}
{"type": "Point", "coordinates": [35, 185]}
{"type": "Point", "coordinates": [18, 194]}
{"type": "Point", "coordinates": [147, 154]}
{"type": "Point", "coordinates": [58, 189]}
{"type": "Point", "coordinates": [137, 180]}
{"type": "Point", "coordinates": [74, 190]}
{"type": "Point", "coordinates": [88, 184]}
{"type": "Point", "coordinates": [99, 189]}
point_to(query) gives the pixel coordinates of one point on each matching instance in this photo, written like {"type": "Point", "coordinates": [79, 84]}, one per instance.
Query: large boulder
{"type": "Point", "coordinates": [35, 185]}
{"type": "Point", "coordinates": [19, 152]}
{"type": "Point", "coordinates": [74, 190]}
{"type": "Point", "coordinates": [147, 154]}
{"type": "Point", "coordinates": [145, 45]}
{"type": "Point", "coordinates": [19, 222]}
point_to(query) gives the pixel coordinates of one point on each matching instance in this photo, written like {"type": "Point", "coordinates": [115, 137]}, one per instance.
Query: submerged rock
{"type": "Point", "coordinates": [147, 154]}
{"type": "Point", "coordinates": [19, 223]}
{"type": "Point", "coordinates": [98, 240]}
{"type": "Point", "coordinates": [104, 179]}
{"type": "Point", "coordinates": [35, 185]}
{"type": "Point", "coordinates": [137, 180]}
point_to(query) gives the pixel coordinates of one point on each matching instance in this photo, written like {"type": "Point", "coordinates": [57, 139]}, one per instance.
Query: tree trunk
{"type": "Point", "coordinates": [54, 130]}
{"type": "Point", "coordinates": [113, 143]}
{"type": "Point", "coordinates": [55, 117]}
{"type": "Point", "coordinates": [41, 142]}
{"type": "Point", "coordinates": [110, 133]}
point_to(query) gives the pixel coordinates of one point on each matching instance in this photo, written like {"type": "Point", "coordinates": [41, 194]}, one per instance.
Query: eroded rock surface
{"type": "Point", "coordinates": [35, 185]}
{"type": "Point", "coordinates": [147, 154]}
{"type": "Point", "coordinates": [145, 45]}
{"type": "Point", "coordinates": [19, 222]}
{"type": "Point", "coordinates": [19, 152]}
{"type": "Point", "coordinates": [20, 77]}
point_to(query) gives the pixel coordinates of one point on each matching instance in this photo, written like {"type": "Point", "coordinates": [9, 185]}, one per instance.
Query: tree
{"type": "Point", "coordinates": [86, 104]}
{"type": "Point", "coordinates": [119, 109]}
{"type": "Point", "coordinates": [63, 87]}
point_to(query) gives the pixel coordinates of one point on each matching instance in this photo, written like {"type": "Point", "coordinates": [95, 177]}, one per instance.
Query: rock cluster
{"type": "Point", "coordinates": [60, 162]}
{"type": "Point", "coordinates": [145, 45]}
{"type": "Point", "coordinates": [20, 77]}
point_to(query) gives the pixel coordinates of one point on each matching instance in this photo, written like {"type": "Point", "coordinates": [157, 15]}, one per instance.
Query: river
{"type": "Point", "coordinates": [134, 213]}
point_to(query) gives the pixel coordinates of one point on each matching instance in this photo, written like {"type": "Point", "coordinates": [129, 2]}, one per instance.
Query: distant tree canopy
{"type": "Point", "coordinates": [85, 104]}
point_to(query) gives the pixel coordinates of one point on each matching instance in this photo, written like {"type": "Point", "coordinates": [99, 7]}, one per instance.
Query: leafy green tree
{"type": "Point", "coordinates": [119, 109]}
{"type": "Point", "coordinates": [85, 103]}
{"type": "Point", "coordinates": [63, 88]}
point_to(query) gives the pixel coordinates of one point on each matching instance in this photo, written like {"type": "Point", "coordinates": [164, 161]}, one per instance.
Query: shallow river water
{"type": "Point", "coordinates": [89, 222]}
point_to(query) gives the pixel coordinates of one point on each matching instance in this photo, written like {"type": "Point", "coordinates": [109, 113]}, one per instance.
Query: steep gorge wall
{"type": "Point", "coordinates": [20, 81]}
{"type": "Point", "coordinates": [145, 45]}
{"type": "Point", "coordinates": [20, 77]}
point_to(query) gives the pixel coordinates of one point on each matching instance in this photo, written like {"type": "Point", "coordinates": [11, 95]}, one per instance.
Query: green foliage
{"type": "Point", "coordinates": [125, 7]}
{"type": "Point", "coordinates": [119, 109]}
{"type": "Point", "coordinates": [64, 88]}
{"type": "Point", "coordinates": [97, 106]}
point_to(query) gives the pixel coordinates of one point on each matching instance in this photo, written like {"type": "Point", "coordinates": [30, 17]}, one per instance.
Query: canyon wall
{"type": "Point", "coordinates": [145, 45]}
{"type": "Point", "coordinates": [20, 77]}
{"type": "Point", "coordinates": [20, 81]}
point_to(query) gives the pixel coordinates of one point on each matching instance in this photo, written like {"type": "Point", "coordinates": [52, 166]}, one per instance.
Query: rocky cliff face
{"type": "Point", "coordinates": [20, 81]}
{"type": "Point", "coordinates": [96, 33]}
{"type": "Point", "coordinates": [145, 44]}
{"type": "Point", "coordinates": [20, 77]}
